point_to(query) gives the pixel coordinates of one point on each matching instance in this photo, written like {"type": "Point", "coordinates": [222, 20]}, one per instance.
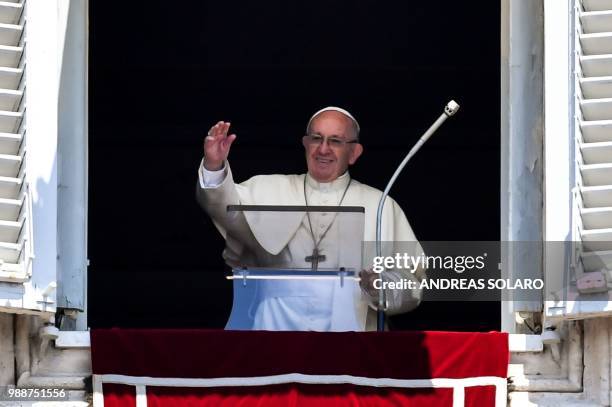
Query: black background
{"type": "Point", "coordinates": [162, 73]}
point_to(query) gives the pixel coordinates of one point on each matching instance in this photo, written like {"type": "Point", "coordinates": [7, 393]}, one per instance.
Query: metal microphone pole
{"type": "Point", "coordinates": [449, 110]}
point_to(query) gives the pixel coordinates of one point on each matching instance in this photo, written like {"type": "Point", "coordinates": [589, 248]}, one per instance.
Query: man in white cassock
{"type": "Point", "coordinates": [331, 144]}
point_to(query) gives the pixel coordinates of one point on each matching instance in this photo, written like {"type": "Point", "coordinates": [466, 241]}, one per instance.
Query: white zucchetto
{"type": "Point", "coordinates": [334, 109]}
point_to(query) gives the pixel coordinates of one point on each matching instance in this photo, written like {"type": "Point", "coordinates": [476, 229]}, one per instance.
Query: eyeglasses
{"type": "Point", "coordinates": [332, 141]}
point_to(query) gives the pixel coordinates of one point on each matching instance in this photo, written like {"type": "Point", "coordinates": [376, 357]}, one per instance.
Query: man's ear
{"type": "Point", "coordinates": [356, 153]}
{"type": "Point", "coordinates": [304, 142]}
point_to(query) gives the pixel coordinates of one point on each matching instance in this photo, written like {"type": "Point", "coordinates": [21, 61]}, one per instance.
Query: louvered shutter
{"type": "Point", "coordinates": [16, 246]}
{"type": "Point", "coordinates": [594, 132]}
{"type": "Point", "coordinates": [591, 233]}
{"type": "Point", "coordinates": [30, 57]}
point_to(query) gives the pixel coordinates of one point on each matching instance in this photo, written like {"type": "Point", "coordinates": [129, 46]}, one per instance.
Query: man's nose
{"type": "Point", "coordinates": [324, 147]}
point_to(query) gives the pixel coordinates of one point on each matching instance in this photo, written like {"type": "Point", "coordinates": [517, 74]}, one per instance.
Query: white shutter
{"type": "Point", "coordinates": [593, 217]}
{"type": "Point", "coordinates": [30, 55]}
{"type": "Point", "coordinates": [16, 246]}
{"type": "Point", "coordinates": [591, 232]}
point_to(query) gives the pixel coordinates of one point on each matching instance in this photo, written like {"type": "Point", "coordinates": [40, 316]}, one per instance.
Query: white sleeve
{"type": "Point", "coordinates": [211, 179]}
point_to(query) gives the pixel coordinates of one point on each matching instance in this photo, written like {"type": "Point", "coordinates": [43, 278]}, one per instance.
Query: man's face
{"type": "Point", "coordinates": [327, 162]}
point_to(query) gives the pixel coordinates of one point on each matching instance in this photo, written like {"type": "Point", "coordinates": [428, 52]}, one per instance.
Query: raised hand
{"type": "Point", "coordinates": [217, 145]}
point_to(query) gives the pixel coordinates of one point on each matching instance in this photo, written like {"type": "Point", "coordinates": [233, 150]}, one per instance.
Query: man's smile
{"type": "Point", "coordinates": [322, 160]}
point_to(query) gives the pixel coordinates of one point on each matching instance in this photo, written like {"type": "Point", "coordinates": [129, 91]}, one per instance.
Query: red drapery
{"type": "Point", "coordinates": [209, 354]}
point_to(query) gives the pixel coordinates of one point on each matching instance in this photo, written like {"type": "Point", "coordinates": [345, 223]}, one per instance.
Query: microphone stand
{"type": "Point", "coordinates": [449, 110]}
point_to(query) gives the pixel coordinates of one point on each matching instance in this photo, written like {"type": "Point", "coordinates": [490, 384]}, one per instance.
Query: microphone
{"type": "Point", "coordinates": [449, 110]}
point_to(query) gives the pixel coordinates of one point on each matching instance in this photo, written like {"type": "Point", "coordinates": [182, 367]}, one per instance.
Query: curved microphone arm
{"type": "Point", "coordinates": [449, 110]}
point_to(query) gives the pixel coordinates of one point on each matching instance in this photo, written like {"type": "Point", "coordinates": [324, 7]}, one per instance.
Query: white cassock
{"type": "Point", "coordinates": [305, 305]}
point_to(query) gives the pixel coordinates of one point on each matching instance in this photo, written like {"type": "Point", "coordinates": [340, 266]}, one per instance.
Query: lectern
{"type": "Point", "coordinates": [295, 259]}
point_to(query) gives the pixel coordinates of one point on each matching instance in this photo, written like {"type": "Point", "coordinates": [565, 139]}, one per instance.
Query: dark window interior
{"type": "Point", "coordinates": [162, 73]}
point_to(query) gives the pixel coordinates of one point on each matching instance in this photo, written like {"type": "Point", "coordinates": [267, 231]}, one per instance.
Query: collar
{"type": "Point", "coordinates": [339, 184]}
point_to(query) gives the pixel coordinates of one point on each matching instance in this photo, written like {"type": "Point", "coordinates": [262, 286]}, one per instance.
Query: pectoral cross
{"type": "Point", "coordinates": [315, 258]}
